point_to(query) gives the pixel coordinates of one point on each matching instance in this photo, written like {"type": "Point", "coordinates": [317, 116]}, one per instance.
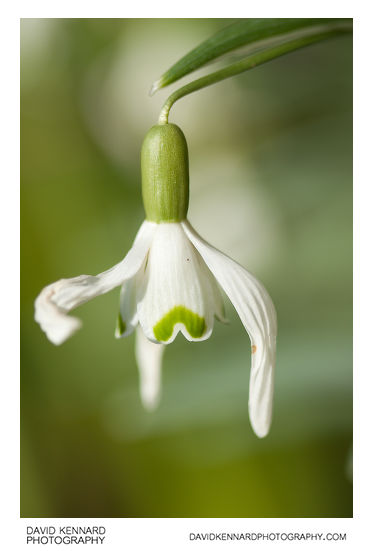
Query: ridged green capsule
{"type": "Point", "coordinates": [165, 174]}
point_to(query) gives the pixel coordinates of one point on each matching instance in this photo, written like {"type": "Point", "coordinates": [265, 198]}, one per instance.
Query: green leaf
{"type": "Point", "coordinates": [255, 33]}
{"type": "Point", "coordinates": [243, 65]}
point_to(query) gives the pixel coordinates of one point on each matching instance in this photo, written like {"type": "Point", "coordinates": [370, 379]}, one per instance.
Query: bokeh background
{"type": "Point", "coordinates": [271, 185]}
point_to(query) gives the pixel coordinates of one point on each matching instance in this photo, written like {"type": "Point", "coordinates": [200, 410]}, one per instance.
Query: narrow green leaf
{"type": "Point", "coordinates": [241, 66]}
{"type": "Point", "coordinates": [255, 33]}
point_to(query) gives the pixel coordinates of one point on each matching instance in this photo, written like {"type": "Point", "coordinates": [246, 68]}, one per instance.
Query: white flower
{"type": "Point", "coordinates": [169, 284]}
{"type": "Point", "coordinates": [171, 281]}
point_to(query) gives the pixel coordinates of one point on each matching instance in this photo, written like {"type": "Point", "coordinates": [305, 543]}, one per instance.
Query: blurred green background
{"type": "Point", "coordinates": [271, 185]}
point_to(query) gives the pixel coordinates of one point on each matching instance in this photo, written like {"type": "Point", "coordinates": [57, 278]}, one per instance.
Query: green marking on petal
{"type": "Point", "coordinates": [121, 325]}
{"type": "Point", "coordinates": [194, 324]}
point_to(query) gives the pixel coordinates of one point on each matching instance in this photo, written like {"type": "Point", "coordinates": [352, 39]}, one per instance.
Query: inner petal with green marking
{"type": "Point", "coordinates": [194, 324]}
{"type": "Point", "coordinates": [121, 325]}
{"type": "Point", "coordinates": [175, 293]}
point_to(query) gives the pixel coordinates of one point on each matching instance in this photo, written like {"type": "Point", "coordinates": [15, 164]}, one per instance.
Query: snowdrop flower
{"type": "Point", "coordinates": [171, 281]}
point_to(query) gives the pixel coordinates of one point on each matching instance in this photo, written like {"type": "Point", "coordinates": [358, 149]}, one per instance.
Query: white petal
{"type": "Point", "coordinates": [219, 309]}
{"type": "Point", "coordinates": [258, 315]}
{"type": "Point", "coordinates": [127, 316]}
{"type": "Point", "coordinates": [176, 292]}
{"type": "Point", "coordinates": [55, 300]}
{"type": "Point", "coordinates": [149, 360]}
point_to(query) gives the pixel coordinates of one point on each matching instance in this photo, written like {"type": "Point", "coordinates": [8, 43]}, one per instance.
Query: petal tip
{"type": "Point", "coordinates": [57, 326]}
{"type": "Point", "coordinates": [150, 402]}
{"type": "Point", "coordinates": [58, 334]}
{"type": "Point", "coordinates": [260, 432]}
{"type": "Point", "coordinates": [260, 421]}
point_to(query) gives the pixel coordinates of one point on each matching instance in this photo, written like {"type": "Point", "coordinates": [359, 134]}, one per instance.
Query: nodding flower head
{"type": "Point", "coordinates": [171, 281]}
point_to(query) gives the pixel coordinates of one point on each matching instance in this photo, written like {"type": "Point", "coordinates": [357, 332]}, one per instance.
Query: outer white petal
{"type": "Point", "coordinates": [176, 293]}
{"type": "Point", "coordinates": [219, 309]}
{"type": "Point", "coordinates": [55, 300]}
{"type": "Point", "coordinates": [149, 360]}
{"type": "Point", "coordinates": [258, 315]}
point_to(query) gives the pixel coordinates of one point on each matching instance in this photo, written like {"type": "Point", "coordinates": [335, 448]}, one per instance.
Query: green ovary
{"type": "Point", "coordinates": [195, 324]}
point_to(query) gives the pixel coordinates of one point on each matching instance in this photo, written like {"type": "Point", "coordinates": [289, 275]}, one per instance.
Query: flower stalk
{"type": "Point", "coordinates": [253, 34]}
{"type": "Point", "coordinates": [249, 63]}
